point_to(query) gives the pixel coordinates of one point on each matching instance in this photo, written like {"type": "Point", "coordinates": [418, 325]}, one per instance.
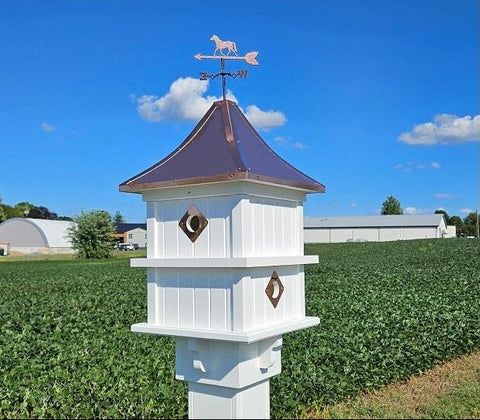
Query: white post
{"type": "Point", "coordinates": [215, 402]}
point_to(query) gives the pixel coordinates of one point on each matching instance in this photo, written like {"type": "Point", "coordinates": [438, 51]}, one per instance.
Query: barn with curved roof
{"type": "Point", "coordinates": [36, 236]}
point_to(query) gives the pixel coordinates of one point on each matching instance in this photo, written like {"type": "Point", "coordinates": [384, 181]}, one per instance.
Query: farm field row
{"type": "Point", "coordinates": [388, 311]}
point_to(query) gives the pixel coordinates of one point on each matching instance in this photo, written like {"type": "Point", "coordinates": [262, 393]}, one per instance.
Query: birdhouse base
{"type": "Point", "coordinates": [227, 364]}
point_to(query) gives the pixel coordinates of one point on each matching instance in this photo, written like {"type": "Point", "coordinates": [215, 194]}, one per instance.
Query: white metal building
{"type": "Point", "coordinates": [36, 236]}
{"type": "Point", "coordinates": [373, 228]}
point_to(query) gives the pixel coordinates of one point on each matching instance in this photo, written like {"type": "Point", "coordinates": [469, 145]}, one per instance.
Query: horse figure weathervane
{"type": "Point", "coordinates": [231, 47]}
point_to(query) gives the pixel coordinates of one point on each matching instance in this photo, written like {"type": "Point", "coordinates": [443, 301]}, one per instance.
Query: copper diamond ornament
{"type": "Point", "coordinates": [193, 223]}
{"type": "Point", "coordinates": [274, 289]}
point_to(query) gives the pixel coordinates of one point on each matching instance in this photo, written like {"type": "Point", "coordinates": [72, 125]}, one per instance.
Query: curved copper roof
{"type": "Point", "coordinates": [222, 147]}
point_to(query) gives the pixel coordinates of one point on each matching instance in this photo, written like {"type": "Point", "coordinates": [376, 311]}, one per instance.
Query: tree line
{"type": "Point", "coordinates": [26, 209]}
{"type": "Point", "coordinates": [466, 226]}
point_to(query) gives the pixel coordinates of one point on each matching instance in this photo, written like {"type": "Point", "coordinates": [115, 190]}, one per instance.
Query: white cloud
{"type": "Point", "coordinates": [48, 128]}
{"type": "Point", "coordinates": [264, 119]}
{"type": "Point", "coordinates": [287, 141]}
{"type": "Point", "coordinates": [299, 145]}
{"type": "Point", "coordinates": [185, 100]}
{"type": "Point", "coordinates": [353, 205]}
{"type": "Point", "coordinates": [445, 129]}
{"type": "Point", "coordinates": [415, 210]}
{"type": "Point", "coordinates": [442, 195]}
{"type": "Point", "coordinates": [411, 166]}
{"type": "Point", "coordinates": [282, 140]}
{"type": "Point", "coordinates": [466, 211]}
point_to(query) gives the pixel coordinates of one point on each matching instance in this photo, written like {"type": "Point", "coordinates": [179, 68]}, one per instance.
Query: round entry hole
{"type": "Point", "coordinates": [276, 290]}
{"type": "Point", "coordinates": [193, 223]}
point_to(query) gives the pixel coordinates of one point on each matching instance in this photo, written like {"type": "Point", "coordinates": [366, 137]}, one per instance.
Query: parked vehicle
{"type": "Point", "coordinates": [125, 247]}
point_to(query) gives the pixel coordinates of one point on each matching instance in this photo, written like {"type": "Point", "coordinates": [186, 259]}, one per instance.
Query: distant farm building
{"type": "Point", "coordinates": [132, 233]}
{"type": "Point", "coordinates": [375, 228]}
{"type": "Point", "coordinates": [36, 236]}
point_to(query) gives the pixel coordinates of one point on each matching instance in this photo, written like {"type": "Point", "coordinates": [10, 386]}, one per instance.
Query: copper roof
{"type": "Point", "coordinates": [222, 147]}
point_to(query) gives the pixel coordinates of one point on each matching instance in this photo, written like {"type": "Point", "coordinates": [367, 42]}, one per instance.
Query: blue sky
{"type": "Point", "coordinates": [371, 98]}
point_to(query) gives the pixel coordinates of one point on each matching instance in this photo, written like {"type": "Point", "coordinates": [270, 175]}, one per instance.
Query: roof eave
{"type": "Point", "coordinates": [237, 176]}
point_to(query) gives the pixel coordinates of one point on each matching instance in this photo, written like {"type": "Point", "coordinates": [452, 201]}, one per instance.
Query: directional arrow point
{"type": "Point", "coordinates": [198, 56]}
{"type": "Point", "coordinates": [251, 58]}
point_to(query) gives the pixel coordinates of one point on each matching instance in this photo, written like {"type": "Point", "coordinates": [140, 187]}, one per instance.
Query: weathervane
{"type": "Point", "coordinates": [231, 47]}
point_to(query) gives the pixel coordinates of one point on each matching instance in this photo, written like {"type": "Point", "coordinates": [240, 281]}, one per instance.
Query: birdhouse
{"type": "Point", "coordinates": [225, 261]}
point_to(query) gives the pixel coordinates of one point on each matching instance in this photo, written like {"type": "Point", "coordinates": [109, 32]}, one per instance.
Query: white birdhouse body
{"type": "Point", "coordinates": [218, 282]}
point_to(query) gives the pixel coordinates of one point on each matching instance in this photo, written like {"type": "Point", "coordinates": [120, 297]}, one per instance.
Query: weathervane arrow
{"type": "Point", "coordinates": [250, 58]}
{"type": "Point", "coordinates": [231, 47]}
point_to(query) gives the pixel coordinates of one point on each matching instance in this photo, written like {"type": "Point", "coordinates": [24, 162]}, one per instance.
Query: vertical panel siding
{"type": "Point", "coordinates": [261, 299]}
{"type": "Point", "coordinates": [238, 226]}
{"type": "Point", "coordinates": [301, 292]}
{"type": "Point", "coordinates": [152, 304]}
{"type": "Point", "coordinates": [223, 299]}
{"type": "Point", "coordinates": [246, 228]}
{"type": "Point", "coordinates": [288, 228]}
{"type": "Point", "coordinates": [274, 228]}
{"type": "Point", "coordinates": [159, 298]}
{"type": "Point", "coordinates": [258, 229]}
{"type": "Point", "coordinates": [171, 229]}
{"type": "Point", "coordinates": [218, 300]}
{"type": "Point", "coordinates": [217, 227]}
{"type": "Point", "coordinates": [152, 239]}
{"type": "Point", "coordinates": [238, 305]}
{"type": "Point", "coordinates": [186, 299]}
{"type": "Point", "coordinates": [269, 230]}
{"type": "Point", "coordinates": [278, 228]}
{"type": "Point", "coordinates": [300, 228]}
{"type": "Point", "coordinates": [202, 299]}
{"type": "Point", "coordinates": [159, 230]}
{"type": "Point", "coordinates": [169, 241]}
{"type": "Point", "coordinates": [172, 298]}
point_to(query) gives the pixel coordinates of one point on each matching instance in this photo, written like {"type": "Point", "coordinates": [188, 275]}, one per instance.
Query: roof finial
{"type": "Point", "coordinates": [231, 47]}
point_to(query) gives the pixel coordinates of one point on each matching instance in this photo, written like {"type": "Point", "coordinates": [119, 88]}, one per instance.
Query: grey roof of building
{"type": "Point", "coordinates": [404, 220]}
{"type": "Point", "coordinates": [223, 146]}
{"type": "Point", "coordinates": [125, 227]}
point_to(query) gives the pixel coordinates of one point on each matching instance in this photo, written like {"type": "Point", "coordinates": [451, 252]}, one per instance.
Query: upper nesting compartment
{"type": "Point", "coordinates": [222, 147]}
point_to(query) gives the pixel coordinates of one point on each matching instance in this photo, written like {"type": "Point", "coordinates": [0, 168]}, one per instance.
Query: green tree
{"type": "Point", "coordinates": [457, 221]}
{"type": "Point", "coordinates": [41, 212]}
{"type": "Point", "coordinates": [118, 218]}
{"type": "Point", "coordinates": [91, 236]}
{"type": "Point", "coordinates": [3, 216]}
{"type": "Point", "coordinates": [445, 215]}
{"type": "Point", "coordinates": [23, 208]}
{"type": "Point", "coordinates": [470, 222]}
{"type": "Point", "coordinates": [391, 206]}
{"type": "Point", "coordinates": [11, 212]}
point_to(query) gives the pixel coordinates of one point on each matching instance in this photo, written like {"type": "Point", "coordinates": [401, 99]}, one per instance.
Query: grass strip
{"type": "Point", "coordinates": [450, 390]}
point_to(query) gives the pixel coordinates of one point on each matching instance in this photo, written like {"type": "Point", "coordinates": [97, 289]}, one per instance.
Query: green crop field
{"type": "Point", "coordinates": [388, 311]}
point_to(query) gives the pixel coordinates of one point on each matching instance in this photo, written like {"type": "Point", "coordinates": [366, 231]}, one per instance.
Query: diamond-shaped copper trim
{"type": "Point", "coordinates": [274, 289]}
{"type": "Point", "coordinates": [193, 223]}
